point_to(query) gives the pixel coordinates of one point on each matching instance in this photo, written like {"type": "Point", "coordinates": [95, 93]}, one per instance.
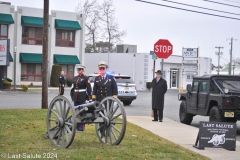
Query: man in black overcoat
{"type": "Point", "coordinates": [62, 83]}
{"type": "Point", "coordinates": [159, 88]}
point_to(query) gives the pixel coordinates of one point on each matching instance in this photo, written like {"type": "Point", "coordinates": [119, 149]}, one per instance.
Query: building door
{"type": "Point", "coordinates": [174, 79]}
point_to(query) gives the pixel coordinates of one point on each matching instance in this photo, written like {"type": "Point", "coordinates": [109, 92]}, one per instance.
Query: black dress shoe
{"type": "Point", "coordinates": [154, 120]}
{"type": "Point", "coordinates": [160, 120]}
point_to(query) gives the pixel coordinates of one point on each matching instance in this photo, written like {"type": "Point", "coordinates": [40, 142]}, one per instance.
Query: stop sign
{"type": "Point", "coordinates": [163, 48]}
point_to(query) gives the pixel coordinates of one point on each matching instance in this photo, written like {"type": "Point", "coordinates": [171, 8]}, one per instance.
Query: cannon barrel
{"type": "Point", "coordinates": [91, 105]}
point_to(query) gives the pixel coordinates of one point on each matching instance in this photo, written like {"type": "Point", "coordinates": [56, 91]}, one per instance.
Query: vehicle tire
{"type": "Point", "coordinates": [215, 115]}
{"type": "Point", "coordinates": [185, 117]}
{"type": "Point", "coordinates": [126, 103]}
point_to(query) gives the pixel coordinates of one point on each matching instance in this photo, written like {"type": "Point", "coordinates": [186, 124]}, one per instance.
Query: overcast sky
{"type": "Point", "coordinates": [146, 23]}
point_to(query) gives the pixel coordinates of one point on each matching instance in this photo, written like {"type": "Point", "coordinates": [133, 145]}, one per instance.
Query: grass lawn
{"type": "Point", "coordinates": [21, 135]}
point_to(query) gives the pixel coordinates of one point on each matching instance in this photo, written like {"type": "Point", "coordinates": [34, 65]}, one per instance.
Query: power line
{"type": "Point", "coordinates": [232, 1]}
{"type": "Point", "coordinates": [200, 7]}
{"type": "Point", "coordinates": [222, 3]}
{"type": "Point", "coordinates": [188, 10]}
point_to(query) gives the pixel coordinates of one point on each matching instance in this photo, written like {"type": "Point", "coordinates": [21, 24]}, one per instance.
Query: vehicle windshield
{"type": "Point", "coordinates": [123, 79]}
{"type": "Point", "coordinates": [91, 78]}
{"type": "Point", "coordinates": [231, 85]}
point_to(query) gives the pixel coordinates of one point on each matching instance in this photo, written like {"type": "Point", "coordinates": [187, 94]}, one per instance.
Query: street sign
{"type": "Point", "coordinates": [190, 68]}
{"type": "Point", "coordinates": [151, 53]}
{"type": "Point", "coordinates": [163, 48]}
{"type": "Point", "coordinates": [190, 52]}
{"type": "Point", "coordinates": [190, 61]}
{"type": "Point", "coordinates": [154, 57]}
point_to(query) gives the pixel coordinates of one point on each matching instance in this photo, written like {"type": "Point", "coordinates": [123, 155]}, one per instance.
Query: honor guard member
{"type": "Point", "coordinates": [104, 84]}
{"type": "Point", "coordinates": [81, 88]}
{"type": "Point", "coordinates": [62, 83]}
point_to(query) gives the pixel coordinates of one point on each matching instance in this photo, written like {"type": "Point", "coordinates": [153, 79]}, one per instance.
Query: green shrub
{"type": "Point", "coordinates": [6, 84]}
{"type": "Point", "coordinates": [69, 81]}
{"type": "Point", "coordinates": [24, 87]}
{"type": "Point", "coordinates": [54, 80]}
{"type": "Point", "coordinates": [8, 79]}
{"type": "Point", "coordinates": [149, 85]}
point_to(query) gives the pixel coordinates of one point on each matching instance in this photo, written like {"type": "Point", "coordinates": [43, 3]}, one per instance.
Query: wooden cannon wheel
{"type": "Point", "coordinates": [113, 129]}
{"type": "Point", "coordinates": [61, 122]}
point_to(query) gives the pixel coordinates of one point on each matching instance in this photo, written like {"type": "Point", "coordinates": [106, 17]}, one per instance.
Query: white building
{"type": "Point", "coordinates": [140, 67]}
{"type": "Point", "coordinates": [24, 29]}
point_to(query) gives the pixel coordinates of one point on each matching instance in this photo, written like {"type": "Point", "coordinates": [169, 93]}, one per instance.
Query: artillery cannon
{"type": "Point", "coordinates": [217, 139]}
{"type": "Point", "coordinates": [108, 116]}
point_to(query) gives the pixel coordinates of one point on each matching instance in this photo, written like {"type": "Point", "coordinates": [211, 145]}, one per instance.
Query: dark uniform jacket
{"type": "Point", "coordinates": [80, 83]}
{"type": "Point", "coordinates": [62, 80]}
{"type": "Point", "coordinates": [158, 90]}
{"type": "Point", "coordinates": [103, 88]}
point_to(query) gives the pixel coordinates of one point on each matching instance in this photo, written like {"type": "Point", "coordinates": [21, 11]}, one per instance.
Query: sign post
{"type": "Point", "coordinates": [163, 49]}
{"type": "Point", "coordinates": [154, 57]}
{"type": "Point", "coordinates": [190, 63]}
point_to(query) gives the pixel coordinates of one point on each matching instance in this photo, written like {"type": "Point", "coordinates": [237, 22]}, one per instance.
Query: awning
{"type": "Point", "coordinates": [69, 25]}
{"type": "Point", "coordinates": [32, 21]}
{"type": "Point", "coordinates": [65, 59]}
{"type": "Point", "coordinates": [10, 57]}
{"type": "Point", "coordinates": [30, 58]}
{"type": "Point", "coordinates": [6, 18]}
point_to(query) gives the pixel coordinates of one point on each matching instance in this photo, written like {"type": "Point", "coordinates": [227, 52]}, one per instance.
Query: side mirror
{"type": "Point", "coordinates": [189, 88]}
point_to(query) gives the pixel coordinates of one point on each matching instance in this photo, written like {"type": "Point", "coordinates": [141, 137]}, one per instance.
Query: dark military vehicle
{"type": "Point", "coordinates": [216, 96]}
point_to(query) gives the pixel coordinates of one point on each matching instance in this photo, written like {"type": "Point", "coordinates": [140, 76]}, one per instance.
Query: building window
{"type": "Point", "coordinates": [32, 35]}
{"type": "Point", "coordinates": [31, 72]}
{"type": "Point", "coordinates": [65, 38]}
{"type": "Point", "coordinates": [3, 31]}
{"type": "Point", "coordinates": [68, 70]}
{"type": "Point", "coordinates": [189, 77]}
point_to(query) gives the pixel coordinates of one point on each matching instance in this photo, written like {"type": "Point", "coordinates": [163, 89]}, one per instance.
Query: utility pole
{"type": "Point", "coordinates": [45, 55]}
{"type": "Point", "coordinates": [230, 64]}
{"type": "Point", "coordinates": [219, 53]}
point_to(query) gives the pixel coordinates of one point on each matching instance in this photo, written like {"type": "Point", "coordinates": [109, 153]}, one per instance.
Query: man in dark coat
{"type": "Point", "coordinates": [62, 83]}
{"type": "Point", "coordinates": [104, 84]}
{"type": "Point", "coordinates": [159, 88]}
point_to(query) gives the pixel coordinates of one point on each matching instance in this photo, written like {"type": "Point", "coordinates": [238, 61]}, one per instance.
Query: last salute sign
{"type": "Point", "coordinates": [217, 135]}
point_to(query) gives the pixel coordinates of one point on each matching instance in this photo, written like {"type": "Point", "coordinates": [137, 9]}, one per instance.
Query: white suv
{"type": "Point", "coordinates": [126, 87]}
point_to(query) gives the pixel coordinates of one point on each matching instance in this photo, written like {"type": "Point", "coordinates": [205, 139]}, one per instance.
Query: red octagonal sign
{"type": "Point", "coordinates": [163, 48]}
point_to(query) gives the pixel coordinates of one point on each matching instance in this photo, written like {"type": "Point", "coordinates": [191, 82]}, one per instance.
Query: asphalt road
{"type": "Point", "coordinates": [139, 107]}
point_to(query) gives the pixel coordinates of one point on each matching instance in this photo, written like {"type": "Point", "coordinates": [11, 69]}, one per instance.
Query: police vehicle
{"type": "Point", "coordinates": [126, 87]}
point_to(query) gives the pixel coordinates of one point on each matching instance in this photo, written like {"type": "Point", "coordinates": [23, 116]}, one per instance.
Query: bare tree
{"type": "Point", "coordinates": [91, 12]}
{"type": "Point", "coordinates": [110, 26]}
{"type": "Point", "coordinates": [236, 61]}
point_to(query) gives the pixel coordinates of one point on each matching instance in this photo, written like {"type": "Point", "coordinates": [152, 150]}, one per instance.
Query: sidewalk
{"type": "Point", "coordinates": [182, 135]}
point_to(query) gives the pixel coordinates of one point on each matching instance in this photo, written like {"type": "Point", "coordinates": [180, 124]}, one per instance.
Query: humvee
{"type": "Point", "coordinates": [216, 96]}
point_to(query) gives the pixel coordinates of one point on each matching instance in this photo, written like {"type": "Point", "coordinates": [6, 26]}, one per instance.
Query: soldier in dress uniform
{"type": "Point", "coordinates": [104, 84]}
{"type": "Point", "coordinates": [62, 83]}
{"type": "Point", "coordinates": [81, 90]}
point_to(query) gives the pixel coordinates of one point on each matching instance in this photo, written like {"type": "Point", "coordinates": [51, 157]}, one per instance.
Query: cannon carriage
{"type": "Point", "coordinates": [108, 116]}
